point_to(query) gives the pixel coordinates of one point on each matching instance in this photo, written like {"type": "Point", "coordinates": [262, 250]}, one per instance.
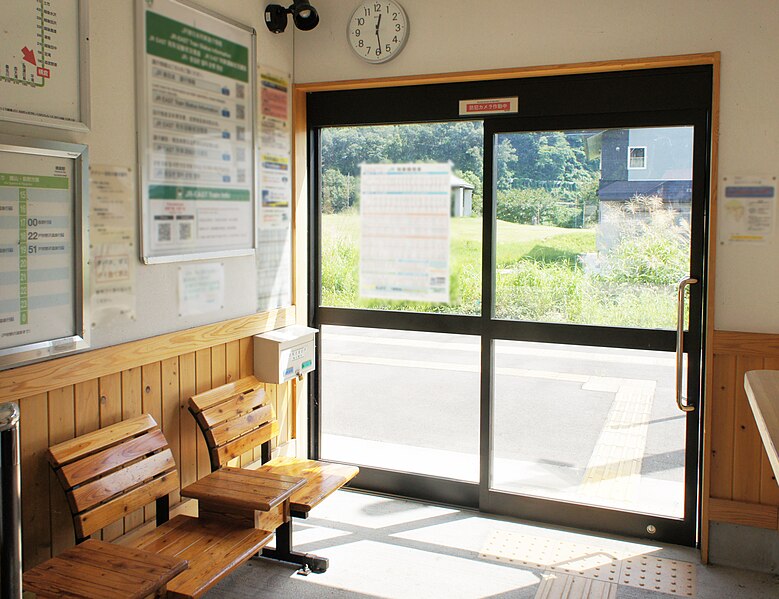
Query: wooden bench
{"type": "Point", "coordinates": [235, 418]}
{"type": "Point", "coordinates": [112, 472]}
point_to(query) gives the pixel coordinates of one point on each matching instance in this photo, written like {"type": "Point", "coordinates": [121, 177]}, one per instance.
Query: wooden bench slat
{"type": "Point", "coordinates": [85, 469]}
{"type": "Point", "coordinates": [206, 399]}
{"type": "Point", "coordinates": [100, 490]}
{"type": "Point", "coordinates": [323, 479]}
{"type": "Point", "coordinates": [95, 579]}
{"type": "Point", "coordinates": [242, 425]}
{"type": "Point", "coordinates": [95, 519]}
{"type": "Point", "coordinates": [142, 563]}
{"type": "Point", "coordinates": [218, 561]}
{"type": "Point", "coordinates": [241, 445]}
{"type": "Point", "coordinates": [235, 406]}
{"type": "Point", "coordinates": [71, 450]}
{"type": "Point", "coordinates": [213, 549]}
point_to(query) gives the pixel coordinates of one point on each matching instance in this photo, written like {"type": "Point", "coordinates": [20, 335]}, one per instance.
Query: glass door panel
{"type": "Point", "coordinates": [593, 226]}
{"type": "Point", "coordinates": [592, 233]}
{"type": "Point", "coordinates": [344, 153]}
{"type": "Point", "coordinates": [596, 426]}
{"type": "Point", "coordinates": [401, 400]}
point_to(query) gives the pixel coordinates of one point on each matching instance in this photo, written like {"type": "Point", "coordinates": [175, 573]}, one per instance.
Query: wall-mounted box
{"type": "Point", "coordinates": [283, 354]}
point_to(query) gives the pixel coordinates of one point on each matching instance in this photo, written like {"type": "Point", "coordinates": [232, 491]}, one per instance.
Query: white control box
{"type": "Point", "coordinates": [283, 354]}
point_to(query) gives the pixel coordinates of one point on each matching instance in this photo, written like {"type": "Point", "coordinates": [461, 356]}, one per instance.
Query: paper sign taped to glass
{"type": "Point", "coordinates": [404, 231]}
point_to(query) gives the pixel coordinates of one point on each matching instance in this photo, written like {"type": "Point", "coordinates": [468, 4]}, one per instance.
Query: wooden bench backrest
{"type": "Point", "coordinates": [234, 418]}
{"type": "Point", "coordinates": [114, 471]}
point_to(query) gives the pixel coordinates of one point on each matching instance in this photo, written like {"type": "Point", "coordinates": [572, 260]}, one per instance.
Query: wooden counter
{"type": "Point", "coordinates": [762, 387]}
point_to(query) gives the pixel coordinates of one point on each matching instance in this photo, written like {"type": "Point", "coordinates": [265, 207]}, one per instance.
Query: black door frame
{"type": "Point", "coordinates": [623, 99]}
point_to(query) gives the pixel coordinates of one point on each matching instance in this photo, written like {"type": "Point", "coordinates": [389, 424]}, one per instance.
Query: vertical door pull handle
{"type": "Point", "coordinates": [681, 400]}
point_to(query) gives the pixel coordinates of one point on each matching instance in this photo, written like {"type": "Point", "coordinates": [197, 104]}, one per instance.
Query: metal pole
{"type": "Point", "coordinates": [10, 504]}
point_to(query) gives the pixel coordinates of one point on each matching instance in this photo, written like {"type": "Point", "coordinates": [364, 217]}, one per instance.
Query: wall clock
{"type": "Point", "coordinates": [378, 30]}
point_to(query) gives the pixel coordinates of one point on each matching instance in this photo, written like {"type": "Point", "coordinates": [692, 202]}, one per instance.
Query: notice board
{"type": "Point", "coordinates": [44, 67]}
{"type": "Point", "coordinates": [196, 114]}
{"type": "Point", "coordinates": [42, 249]}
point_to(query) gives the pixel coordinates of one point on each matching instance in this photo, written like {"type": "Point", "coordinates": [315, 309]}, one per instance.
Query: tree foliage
{"type": "Point", "coordinates": [534, 171]}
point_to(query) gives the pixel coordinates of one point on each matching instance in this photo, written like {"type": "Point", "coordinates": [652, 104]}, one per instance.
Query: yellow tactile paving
{"type": "Point", "coordinates": [658, 574]}
{"type": "Point", "coordinates": [569, 565]}
{"type": "Point", "coordinates": [614, 470]}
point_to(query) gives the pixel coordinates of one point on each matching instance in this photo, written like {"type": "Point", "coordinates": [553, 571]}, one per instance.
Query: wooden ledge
{"type": "Point", "coordinates": [42, 377]}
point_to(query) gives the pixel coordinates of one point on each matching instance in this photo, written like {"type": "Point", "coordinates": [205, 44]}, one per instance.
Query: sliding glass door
{"type": "Point", "coordinates": [499, 300]}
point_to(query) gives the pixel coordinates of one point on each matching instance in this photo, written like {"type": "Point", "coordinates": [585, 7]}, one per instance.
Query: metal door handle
{"type": "Point", "coordinates": [681, 400]}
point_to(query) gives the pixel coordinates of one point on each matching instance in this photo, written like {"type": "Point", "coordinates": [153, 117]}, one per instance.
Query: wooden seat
{"type": "Point", "coordinates": [235, 418]}
{"type": "Point", "coordinates": [116, 470]}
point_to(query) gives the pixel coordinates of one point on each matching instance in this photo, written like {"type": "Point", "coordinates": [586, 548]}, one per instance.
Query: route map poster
{"type": "Point", "coordinates": [42, 55]}
{"type": "Point", "coordinates": [36, 249]}
{"type": "Point", "coordinates": [197, 138]}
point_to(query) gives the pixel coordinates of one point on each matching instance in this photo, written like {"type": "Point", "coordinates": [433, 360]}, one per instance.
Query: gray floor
{"type": "Point", "coordinates": [390, 548]}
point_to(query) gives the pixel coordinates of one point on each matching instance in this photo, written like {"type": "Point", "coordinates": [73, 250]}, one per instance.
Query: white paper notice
{"type": "Point", "coordinates": [404, 224]}
{"type": "Point", "coordinates": [201, 288]}
{"type": "Point", "coordinates": [111, 243]}
{"type": "Point", "coordinates": [274, 235]}
{"type": "Point", "coordinates": [747, 209]}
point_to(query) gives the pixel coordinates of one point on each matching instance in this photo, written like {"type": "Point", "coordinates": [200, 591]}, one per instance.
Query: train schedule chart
{"type": "Point", "coordinates": [43, 63]}
{"type": "Point", "coordinates": [404, 231]}
{"type": "Point", "coordinates": [41, 270]}
{"type": "Point", "coordinates": [197, 133]}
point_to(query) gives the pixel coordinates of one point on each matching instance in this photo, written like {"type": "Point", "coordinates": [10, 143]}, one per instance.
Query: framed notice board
{"type": "Point", "coordinates": [44, 63]}
{"type": "Point", "coordinates": [196, 114]}
{"type": "Point", "coordinates": [43, 252]}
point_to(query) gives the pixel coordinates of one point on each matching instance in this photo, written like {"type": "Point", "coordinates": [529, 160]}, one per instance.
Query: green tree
{"type": "Point", "coordinates": [339, 191]}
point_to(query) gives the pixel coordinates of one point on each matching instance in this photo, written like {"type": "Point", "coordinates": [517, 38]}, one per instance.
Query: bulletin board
{"type": "Point", "coordinates": [43, 264]}
{"type": "Point", "coordinates": [44, 67]}
{"type": "Point", "coordinates": [196, 115]}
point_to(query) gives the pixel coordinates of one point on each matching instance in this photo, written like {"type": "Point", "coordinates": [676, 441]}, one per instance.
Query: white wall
{"type": "Point", "coordinates": [112, 141]}
{"type": "Point", "coordinates": [458, 35]}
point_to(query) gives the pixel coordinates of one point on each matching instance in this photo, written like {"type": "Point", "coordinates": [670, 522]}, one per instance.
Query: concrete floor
{"type": "Point", "coordinates": [391, 548]}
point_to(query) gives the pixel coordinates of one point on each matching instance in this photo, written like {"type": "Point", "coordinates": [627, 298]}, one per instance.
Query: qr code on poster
{"type": "Point", "coordinates": [164, 232]}
{"type": "Point", "coordinates": [240, 93]}
{"type": "Point", "coordinates": [185, 231]}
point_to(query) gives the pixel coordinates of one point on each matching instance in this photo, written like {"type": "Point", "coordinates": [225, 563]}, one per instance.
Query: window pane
{"type": "Point", "coordinates": [593, 226]}
{"type": "Point", "coordinates": [597, 426]}
{"type": "Point", "coordinates": [401, 400]}
{"type": "Point", "coordinates": [344, 153]}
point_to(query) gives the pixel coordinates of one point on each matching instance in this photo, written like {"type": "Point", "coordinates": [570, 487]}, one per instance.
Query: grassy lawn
{"type": "Point", "coordinates": [540, 277]}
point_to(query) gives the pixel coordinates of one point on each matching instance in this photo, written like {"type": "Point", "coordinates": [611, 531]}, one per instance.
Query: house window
{"type": "Point", "coordinates": [636, 157]}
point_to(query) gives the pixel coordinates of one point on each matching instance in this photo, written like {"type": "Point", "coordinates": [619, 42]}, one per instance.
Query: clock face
{"type": "Point", "coordinates": [378, 30]}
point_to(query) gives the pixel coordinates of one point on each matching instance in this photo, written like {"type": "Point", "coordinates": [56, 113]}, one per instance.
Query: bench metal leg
{"type": "Point", "coordinates": [283, 551]}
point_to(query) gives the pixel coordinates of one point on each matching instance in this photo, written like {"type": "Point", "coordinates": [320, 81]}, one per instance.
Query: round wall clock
{"type": "Point", "coordinates": [378, 30]}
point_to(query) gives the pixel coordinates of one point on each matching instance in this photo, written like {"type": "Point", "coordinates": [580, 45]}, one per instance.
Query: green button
{"type": "Point", "coordinates": [307, 363]}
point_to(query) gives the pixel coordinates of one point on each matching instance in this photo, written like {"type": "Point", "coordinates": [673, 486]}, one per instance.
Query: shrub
{"type": "Point", "coordinates": [652, 244]}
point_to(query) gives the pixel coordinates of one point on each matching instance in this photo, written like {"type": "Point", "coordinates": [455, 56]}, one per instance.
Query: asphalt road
{"type": "Point", "coordinates": [421, 390]}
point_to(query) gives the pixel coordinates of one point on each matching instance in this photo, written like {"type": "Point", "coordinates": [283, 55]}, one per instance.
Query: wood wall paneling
{"type": "Point", "coordinates": [742, 488]}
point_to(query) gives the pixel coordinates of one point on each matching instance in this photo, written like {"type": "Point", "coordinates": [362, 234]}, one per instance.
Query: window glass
{"type": "Point", "coordinates": [347, 229]}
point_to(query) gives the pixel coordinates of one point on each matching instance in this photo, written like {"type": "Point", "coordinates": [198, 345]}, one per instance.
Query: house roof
{"type": "Point", "coordinates": [624, 190]}
{"type": "Point", "coordinates": [455, 181]}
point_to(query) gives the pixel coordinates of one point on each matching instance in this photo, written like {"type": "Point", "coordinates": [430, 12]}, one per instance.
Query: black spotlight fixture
{"type": "Point", "coordinates": [303, 14]}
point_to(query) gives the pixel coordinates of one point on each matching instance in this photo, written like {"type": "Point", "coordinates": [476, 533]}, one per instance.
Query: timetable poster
{"type": "Point", "coordinates": [36, 249]}
{"type": "Point", "coordinates": [198, 160]}
{"type": "Point", "coordinates": [404, 231]}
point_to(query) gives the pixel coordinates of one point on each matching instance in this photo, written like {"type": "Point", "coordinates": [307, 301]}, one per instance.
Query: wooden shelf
{"type": "Point", "coordinates": [762, 387]}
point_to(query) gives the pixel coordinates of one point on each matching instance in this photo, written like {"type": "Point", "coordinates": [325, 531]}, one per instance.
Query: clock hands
{"type": "Point", "coordinates": [378, 23]}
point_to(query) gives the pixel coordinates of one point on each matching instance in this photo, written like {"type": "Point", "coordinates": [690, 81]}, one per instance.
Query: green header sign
{"type": "Point", "coordinates": [173, 192]}
{"type": "Point", "coordinates": [34, 181]}
{"type": "Point", "coordinates": [173, 40]}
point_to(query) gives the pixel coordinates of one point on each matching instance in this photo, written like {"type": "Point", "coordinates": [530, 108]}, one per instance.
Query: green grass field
{"type": "Point", "coordinates": [540, 277]}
